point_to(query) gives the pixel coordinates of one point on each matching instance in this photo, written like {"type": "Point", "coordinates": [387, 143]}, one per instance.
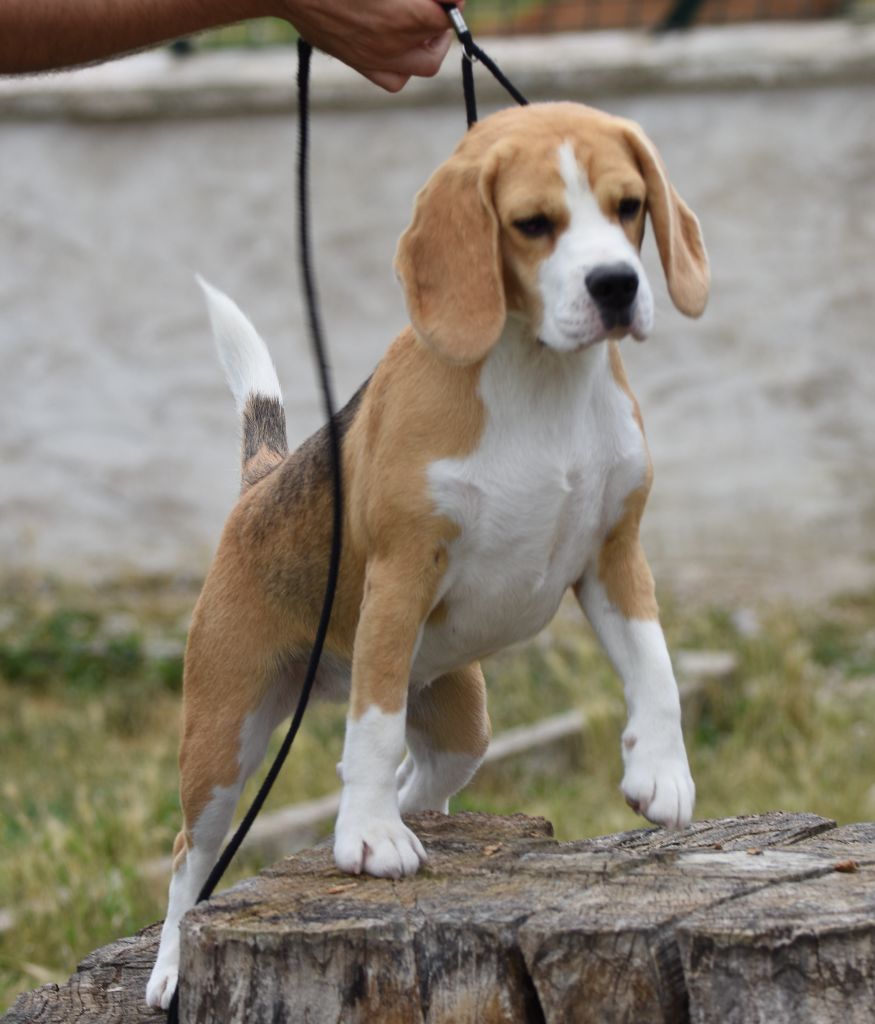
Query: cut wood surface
{"type": "Point", "coordinates": [753, 919]}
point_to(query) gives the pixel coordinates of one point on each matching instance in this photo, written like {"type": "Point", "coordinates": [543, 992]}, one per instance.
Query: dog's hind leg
{"type": "Point", "coordinates": [234, 698]}
{"type": "Point", "coordinates": [447, 735]}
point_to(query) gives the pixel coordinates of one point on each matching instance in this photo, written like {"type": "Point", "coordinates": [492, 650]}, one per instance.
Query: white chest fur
{"type": "Point", "coordinates": [559, 454]}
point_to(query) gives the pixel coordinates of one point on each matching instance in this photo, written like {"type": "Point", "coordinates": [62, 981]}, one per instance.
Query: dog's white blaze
{"type": "Point", "coordinates": [559, 454]}
{"type": "Point", "coordinates": [657, 775]}
{"type": "Point", "coordinates": [571, 318]}
{"type": "Point", "coordinates": [370, 835]}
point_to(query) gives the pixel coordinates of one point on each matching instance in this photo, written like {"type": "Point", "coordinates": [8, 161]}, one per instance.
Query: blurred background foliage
{"type": "Point", "coordinates": [523, 17]}
{"type": "Point", "coordinates": [89, 710]}
{"type": "Point", "coordinates": [90, 686]}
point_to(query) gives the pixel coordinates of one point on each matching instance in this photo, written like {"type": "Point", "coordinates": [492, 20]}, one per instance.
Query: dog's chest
{"type": "Point", "coordinates": [559, 454]}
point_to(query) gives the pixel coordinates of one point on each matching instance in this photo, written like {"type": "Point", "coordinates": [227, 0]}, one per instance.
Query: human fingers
{"type": "Point", "coordinates": [386, 38]}
{"type": "Point", "coordinates": [424, 60]}
{"type": "Point", "coordinates": [421, 61]}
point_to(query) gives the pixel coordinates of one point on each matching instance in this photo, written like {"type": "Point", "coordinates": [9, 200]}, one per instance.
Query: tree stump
{"type": "Point", "coordinates": [769, 918]}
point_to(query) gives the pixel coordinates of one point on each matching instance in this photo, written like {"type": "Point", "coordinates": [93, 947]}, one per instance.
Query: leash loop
{"type": "Point", "coordinates": [461, 29]}
{"type": "Point", "coordinates": [471, 54]}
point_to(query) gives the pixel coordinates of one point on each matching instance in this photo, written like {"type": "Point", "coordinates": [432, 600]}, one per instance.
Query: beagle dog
{"type": "Point", "coordinates": [495, 459]}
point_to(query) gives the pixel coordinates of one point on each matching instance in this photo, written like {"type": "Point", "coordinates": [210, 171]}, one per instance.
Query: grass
{"type": "Point", "coordinates": [485, 16]}
{"type": "Point", "coordinates": [89, 705]}
{"type": "Point", "coordinates": [795, 730]}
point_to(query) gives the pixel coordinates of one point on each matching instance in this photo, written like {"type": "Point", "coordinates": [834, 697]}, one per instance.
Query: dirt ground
{"type": "Point", "coordinates": [118, 438]}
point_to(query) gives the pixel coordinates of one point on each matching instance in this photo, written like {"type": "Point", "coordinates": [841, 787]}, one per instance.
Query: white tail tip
{"type": "Point", "coordinates": [242, 352]}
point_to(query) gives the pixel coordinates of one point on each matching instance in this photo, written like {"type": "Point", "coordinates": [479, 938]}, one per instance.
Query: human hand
{"type": "Point", "coordinates": [387, 41]}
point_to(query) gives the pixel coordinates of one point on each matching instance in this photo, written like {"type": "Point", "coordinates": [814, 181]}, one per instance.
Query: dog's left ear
{"type": "Point", "coordinates": [678, 235]}
{"type": "Point", "coordinates": [449, 262]}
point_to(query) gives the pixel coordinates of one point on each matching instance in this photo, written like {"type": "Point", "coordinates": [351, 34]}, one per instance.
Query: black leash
{"type": "Point", "coordinates": [471, 53]}
{"type": "Point", "coordinates": [305, 51]}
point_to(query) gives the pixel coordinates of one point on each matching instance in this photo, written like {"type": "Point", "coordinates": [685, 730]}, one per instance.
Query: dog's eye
{"type": "Point", "coordinates": [629, 208]}
{"type": "Point", "coordinates": [538, 226]}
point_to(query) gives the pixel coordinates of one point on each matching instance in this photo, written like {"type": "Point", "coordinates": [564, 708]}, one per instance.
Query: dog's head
{"type": "Point", "coordinates": [540, 214]}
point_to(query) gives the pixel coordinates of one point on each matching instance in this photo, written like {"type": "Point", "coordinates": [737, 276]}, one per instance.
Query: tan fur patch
{"type": "Point", "coordinates": [181, 846]}
{"type": "Point", "coordinates": [233, 652]}
{"type": "Point", "coordinates": [449, 261]}
{"type": "Point", "coordinates": [398, 592]}
{"type": "Point", "coordinates": [264, 461]}
{"type": "Point", "coordinates": [678, 235]}
{"type": "Point", "coordinates": [406, 541]}
{"type": "Point", "coordinates": [618, 371]}
{"type": "Point", "coordinates": [451, 712]}
{"type": "Point", "coordinates": [622, 565]}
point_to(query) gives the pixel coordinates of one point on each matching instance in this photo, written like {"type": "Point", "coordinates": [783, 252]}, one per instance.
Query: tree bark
{"type": "Point", "coordinates": [754, 919]}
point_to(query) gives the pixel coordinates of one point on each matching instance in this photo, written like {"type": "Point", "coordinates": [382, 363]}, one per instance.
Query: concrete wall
{"type": "Point", "coordinates": [118, 439]}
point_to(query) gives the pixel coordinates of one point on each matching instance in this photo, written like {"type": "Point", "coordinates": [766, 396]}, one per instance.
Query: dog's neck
{"type": "Point", "coordinates": [521, 364]}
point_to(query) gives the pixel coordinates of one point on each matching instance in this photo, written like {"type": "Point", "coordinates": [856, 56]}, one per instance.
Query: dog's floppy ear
{"type": "Point", "coordinates": [678, 235]}
{"type": "Point", "coordinates": [449, 261]}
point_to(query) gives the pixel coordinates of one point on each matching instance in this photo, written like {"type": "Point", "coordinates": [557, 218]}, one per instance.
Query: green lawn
{"type": "Point", "coordinates": [89, 705]}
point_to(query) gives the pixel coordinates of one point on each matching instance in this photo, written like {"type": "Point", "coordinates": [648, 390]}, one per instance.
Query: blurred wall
{"type": "Point", "coordinates": [118, 439]}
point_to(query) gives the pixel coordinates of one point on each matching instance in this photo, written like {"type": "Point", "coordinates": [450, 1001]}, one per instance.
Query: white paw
{"type": "Point", "coordinates": [657, 782]}
{"type": "Point", "coordinates": [162, 984]}
{"type": "Point", "coordinates": [384, 847]}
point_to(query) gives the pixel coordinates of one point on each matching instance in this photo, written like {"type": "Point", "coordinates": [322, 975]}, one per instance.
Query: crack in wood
{"type": "Point", "coordinates": [508, 926]}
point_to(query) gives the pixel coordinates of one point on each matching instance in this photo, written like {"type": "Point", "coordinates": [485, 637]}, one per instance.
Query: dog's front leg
{"type": "Point", "coordinates": [618, 599]}
{"type": "Point", "coordinates": [370, 835]}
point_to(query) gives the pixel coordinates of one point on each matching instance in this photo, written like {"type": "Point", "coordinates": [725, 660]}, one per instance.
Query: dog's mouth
{"type": "Point", "coordinates": [621, 323]}
{"type": "Point", "coordinates": [614, 331]}
{"type": "Point", "coordinates": [584, 326]}
{"type": "Point", "coordinates": [614, 320]}
{"type": "Point", "coordinates": [624, 324]}
{"type": "Point", "coordinates": [581, 346]}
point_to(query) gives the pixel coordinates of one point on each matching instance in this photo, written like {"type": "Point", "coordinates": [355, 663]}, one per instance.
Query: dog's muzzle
{"type": "Point", "coordinates": [613, 288]}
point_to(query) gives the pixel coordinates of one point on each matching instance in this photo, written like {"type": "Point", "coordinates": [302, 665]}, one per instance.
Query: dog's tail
{"type": "Point", "coordinates": [253, 381]}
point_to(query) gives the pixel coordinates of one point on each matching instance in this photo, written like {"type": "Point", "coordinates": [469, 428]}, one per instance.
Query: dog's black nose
{"type": "Point", "coordinates": [613, 286]}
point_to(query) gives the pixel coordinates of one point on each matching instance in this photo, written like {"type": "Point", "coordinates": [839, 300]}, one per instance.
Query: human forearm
{"type": "Point", "coordinates": [387, 41]}
{"type": "Point", "coordinates": [36, 35]}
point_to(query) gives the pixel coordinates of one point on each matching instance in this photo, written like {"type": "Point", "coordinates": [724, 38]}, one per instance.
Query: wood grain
{"type": "Point", "coordinates": [751, 919]}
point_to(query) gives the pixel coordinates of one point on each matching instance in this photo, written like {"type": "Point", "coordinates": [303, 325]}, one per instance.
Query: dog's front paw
{"type": "Point", "coordinates": [162, 984]}
{"type": "Point", "coordinates": [657, 781]}
{"type": "Point", "coordinates": [384, 847]}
